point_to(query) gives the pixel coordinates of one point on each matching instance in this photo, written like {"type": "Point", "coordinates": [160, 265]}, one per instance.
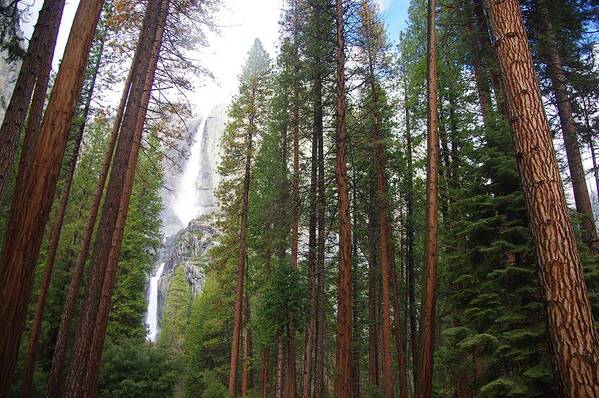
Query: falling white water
{"type": "Point", "coordinates": [152, 317]}
{"type": "Point", "coordinates": [187, 206]}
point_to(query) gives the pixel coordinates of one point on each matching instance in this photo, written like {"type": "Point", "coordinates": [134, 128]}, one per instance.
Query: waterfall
{"type": "Point", "coordinates": [187, 195]}
{"type": "Point", "coordinates": [152, 317]}
{"type": "Point", "coordinates": [187, 205]}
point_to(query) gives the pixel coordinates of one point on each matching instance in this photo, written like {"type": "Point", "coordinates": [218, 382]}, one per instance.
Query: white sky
{"type": "Point", "coordinates": [240, 22]}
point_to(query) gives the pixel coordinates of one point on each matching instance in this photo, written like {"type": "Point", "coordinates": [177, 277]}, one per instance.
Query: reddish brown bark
{"type": "Point", "coordinates": [29, 362]}
{"type": "Point", "coordinates": [573, 337]}
{"type": "Point", "coordinates": [95, 356]}
{"type": "Point", "coordinates": [245, 368]}
{"type": "Point", "coordinates": [35, 188]}
{"type": "Point", "coordinates": [343, 373]}
{"type": "Point", "coordinates": [427, 329]}
{"type": "Point", "coordinates": [35, 72]}
{"type": "Point", "coordinates": [73, 291]}
{"type": "Point", "coordinates": [241, 271]}
{"type": "Point", "coordinates": [107, 228]}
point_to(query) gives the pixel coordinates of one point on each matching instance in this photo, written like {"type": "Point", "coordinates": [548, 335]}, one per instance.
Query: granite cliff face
{"type": "Point", "coordinates": [189, 203]}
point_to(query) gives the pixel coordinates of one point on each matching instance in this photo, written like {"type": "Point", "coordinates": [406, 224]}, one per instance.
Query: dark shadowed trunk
{"type": "Point", "coordinates": [34, 189]}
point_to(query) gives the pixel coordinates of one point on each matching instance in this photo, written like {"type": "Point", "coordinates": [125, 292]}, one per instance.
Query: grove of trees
{"type": "Point", "coordinates": [407, 216]}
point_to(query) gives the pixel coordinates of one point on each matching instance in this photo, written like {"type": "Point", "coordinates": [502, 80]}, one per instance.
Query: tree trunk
{"type": "Point", "coordinates": [29, 362]}
{"type": "Point", "coordinates": [343, 372]}
{"type": "Point", "coordinates": [570, 326]}
{"type": "Point", "coordinates": [264, 364]}
{"type": "Point", "coordinates": [279, 388]}
{"type": "Point", "coordinates": [111, 212]}
{"type": "Point", "coordinates": [312, 285]}
{"type": "Point", "coordinates": [402, 367]}
{"type": "Point", "coordinates": [373, 301]}
{"type": "Point", "coordinates": [241, 271]}
{"type": "Point", "coordinates": [71, 300]}
{"type": "Point", "coordinates": [245, 360]}
{"type": "Point", "coordinates": [410, 272]}
{"type": "Point", "coordinates": [564, 106]}
{"type": "Point", "coordinates": [320, 258]}
{"type": "Point", "coordinates": [427, 329]}
{"type": "Point", "coordinates": [36, 63]}
{"type": "Point", "coordinates": [95, 356]}
{"type": "Point", "coordinates": [35, 188]}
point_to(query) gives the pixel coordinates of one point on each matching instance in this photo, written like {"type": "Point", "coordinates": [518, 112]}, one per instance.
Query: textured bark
{"type": "Point", "coordinates": [53, 387]}
{"type": "Point", "coordinates": [557, 76]}
{"type": "Point", "coordinates": [239, 290]}
{"type": "Point", "coordinates": [29, 362]}
{"type": "Point", "coordinates": [343, 370]}
{"type": "Point", "coordinates": [35, 188]}
{"type": "Point", "coordinates": [111, 210]}
{"type": "Point", "coordinates": [427, 328]}
{"type": "Point", "coordinates": [36, 64]}
{"type": "Point", "coordinates": [320, 257]}
{"type": "Point", "coordinates": [573, 338]}
{"type": "Point", "coordinates": [99, 333]}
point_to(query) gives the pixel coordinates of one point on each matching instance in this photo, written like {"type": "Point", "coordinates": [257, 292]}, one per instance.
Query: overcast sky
{"type": "Point", "coordinates": [241, 21]}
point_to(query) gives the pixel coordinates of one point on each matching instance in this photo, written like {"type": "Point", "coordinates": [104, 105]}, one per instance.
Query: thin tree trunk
{"type": "Point", "coordinates": [264, 365]}
{"type": "Point", "coordinates": [239, 291]}
{"type": "Point", "coordinates": [573, 337]}
{"type": "Point", "coordinates": [591, 144]}
{"type": "Point", "coordinates": [356, 330]}
{"type": "Point", "coordinates": [36, 63]}
{"type": "Point", "coordinates": [427, 329]}
{"type": "Point", "coordinates": [410, 272]}
{"type": "Point", "coordinates": [402, 367]}
{"type": "Point", "coordinates": [564, 106]}
{"type": "Point", "coordinates": [320, 258]}
{"type": "Point", "coordinates": [373, 301]}
{"type": "Point", "coordinates": [111, 213]}
{"type": "Point", "coordinates": [245, 360]}
{"type": "Point", "coordinates": [312, 285]}
{"type": "Point", "coordinates": [95, 356]}
{"type": "Point", "coordinates": [29, 362]}
{"type": "Point", "coordinates": [35, 188]}
{"type": "Point", "coordinates": [279, 388]}
{"type": "Point", "coordinates": [343, 371]}
{"type": "Point", "coordinates": [53, 389]}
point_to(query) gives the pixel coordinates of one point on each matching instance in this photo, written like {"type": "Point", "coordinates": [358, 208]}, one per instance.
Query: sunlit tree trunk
{"type": "Point", "coordinates": [572, 334]}
{"type": "Point", "coordinates": [427, 326]}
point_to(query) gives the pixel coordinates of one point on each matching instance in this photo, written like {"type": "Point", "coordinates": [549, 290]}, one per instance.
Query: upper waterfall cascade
{"type": "Point", "coordinates": [188, 195]}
